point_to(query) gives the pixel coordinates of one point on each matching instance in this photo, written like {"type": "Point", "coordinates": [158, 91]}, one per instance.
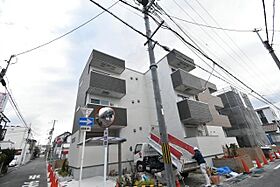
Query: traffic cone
{"type": "Point", "coordinates": [246, 168]}
{"type": "Point", "coordinates": [270, 157]}
{"type": "Point", "coordinates": [276, 156]}
{"type": "Point", "coordinates": [259, 165]}
{"type": "Point", "coordinates": [279, 151]}
{"type": "Point", "coordinates": [177, 183]}
{"type": "Point", "coordinates": [264, 160]}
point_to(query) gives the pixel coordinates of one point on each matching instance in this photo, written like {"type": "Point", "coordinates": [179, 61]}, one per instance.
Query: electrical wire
{"type": "Point", "coordinates": [251, 65]}
{"type": "Point", "coordinates": [67, 33]}
{"type": "Point", "coordinates": [213, 27]}
{"type": "Point", "coordinates": [214, 62]}
{"type": "Point", "coordinates": [131, 27]}
{"type": "Point", "coordinates": [232, 55]}
{"type": "Point", "coordinates": [265, 21]}
{"type": "Point", "coordinates": [273, 19]}
{"type": "Point", "coordinates": [213, 69]}
{"type": "Point", "coordinates": [14, 104]}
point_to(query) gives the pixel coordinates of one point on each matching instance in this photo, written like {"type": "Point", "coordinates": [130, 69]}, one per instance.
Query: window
{"type": "Point", "coordinates": [95, 101]}
{"type": "Point", "coordinates": [103, 102]}
{"type": "Point", "coordinates": [138, 148]}
{"type": "Point", "coordinates": [100, 102]}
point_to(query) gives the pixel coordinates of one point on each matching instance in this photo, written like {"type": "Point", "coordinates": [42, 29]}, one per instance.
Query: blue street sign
{"type": "Point", "coordinates": [86, 121]}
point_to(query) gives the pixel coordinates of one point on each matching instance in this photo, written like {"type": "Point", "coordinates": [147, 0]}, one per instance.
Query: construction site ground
{"type": "Point", "coordinates": [267, 176]}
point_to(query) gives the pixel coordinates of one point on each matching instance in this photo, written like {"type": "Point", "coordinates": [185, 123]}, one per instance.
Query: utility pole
{"type": "Point", "coordinates": [50, 139]}
{"type": "Point", "coordinates": [24, 148]}
{"type": "Point", "coordinates": [160, 115]}
{"type": "Point", "coordinates": [4, 70]}
{"type": "Point", "coordinates": [269, 48]}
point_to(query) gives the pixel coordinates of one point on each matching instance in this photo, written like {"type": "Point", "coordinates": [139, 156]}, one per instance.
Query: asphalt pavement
{"type": "Point", "coordinates": [269, 176]}
{"type": "Point", "coordinates": [32, 174]}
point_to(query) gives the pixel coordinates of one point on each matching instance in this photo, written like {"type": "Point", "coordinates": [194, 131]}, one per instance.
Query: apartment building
{"type": "Point", "coordinates": [106, 81]}
{"type": "Point", "coordinates": [246, 126]}
{"type": "Point", "coordinates": [270, 123]}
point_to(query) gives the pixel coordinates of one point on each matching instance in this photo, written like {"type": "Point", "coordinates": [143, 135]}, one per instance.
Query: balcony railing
{"type": "Point", "coordinates": [106, 85]}
{"type": "Point", "coordinates": [186, 83]}
{"type": "Point", "coordinates": [106, 62]}
{"type": "Point", "coordinates": [179, 60]}
{"type": "Point", "coordinates": [193, 112]}
{"type": "Point", "coordinates": [270, 127]}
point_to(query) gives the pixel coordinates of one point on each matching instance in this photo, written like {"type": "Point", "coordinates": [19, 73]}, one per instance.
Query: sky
{"type": "Point", "coordinates": [44, 82]}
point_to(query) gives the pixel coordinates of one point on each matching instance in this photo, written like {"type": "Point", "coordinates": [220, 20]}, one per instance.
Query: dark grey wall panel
{"type": "Point", "coordinates": [193, 112]}
{"type": "Point", "coordinates": [106, 62]}
{"type": "Point", "coordinates": [106, 85]}
{"type": "Point", "coordinates": [186, 82]}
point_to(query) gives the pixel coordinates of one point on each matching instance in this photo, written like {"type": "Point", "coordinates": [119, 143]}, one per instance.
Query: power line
{"type": "Point", "coordinates": [131, 27]}
{"type": "Point", "coordinates": [192, 46]}
{"type": "Point", "coordinates": [273, 19]}
{"type": "Point", "coordinates": [251, 64]}
{"type": "Point", "coordinates": [213, 27]}
{"type": "Point", "coordinates": [214, 62]}
{"type": "Point", "coordinates": [232, 56]}
{"type": "Point", "coordinates": [67, 33]}
{"type": "Point", "coordinates": [14, 104]}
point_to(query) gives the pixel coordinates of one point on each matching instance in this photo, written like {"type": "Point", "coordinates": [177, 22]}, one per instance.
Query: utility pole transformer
{"type": "Point", "coordinates": [160, 115]}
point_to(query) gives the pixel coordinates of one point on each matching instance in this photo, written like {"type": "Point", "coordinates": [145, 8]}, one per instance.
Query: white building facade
{"type": "Point", "coordinates": [106, 82]}
{"type": "Point", "coordinates": [17, 135]}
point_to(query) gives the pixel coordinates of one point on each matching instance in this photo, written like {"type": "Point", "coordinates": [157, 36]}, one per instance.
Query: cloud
{"type": "Point", "coordinates": [44, 82]}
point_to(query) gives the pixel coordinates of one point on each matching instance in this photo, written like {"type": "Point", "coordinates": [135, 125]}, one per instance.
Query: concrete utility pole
{"type": "Point", "coordinates": [160, 115]}
{"type": "Point", "coordinates": [24, 148]}
{"type": "Point", "coordinates": [269, 48]}
{"type": "Point", "coordinates": [50, 139]}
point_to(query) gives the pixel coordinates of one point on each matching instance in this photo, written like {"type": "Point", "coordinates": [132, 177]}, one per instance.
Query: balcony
{"type": "Point", "coordinates": [193, 112]}
{"type": "Point", "coordinates": [106, 62]}
{"type": "Point", "coordinates": [120, 116]}
{"type": "Point", "coordinates": [179, 60]}
{"type": "Point", "coordinates": [272, 127]}
{"type": "Point", "coordinates": [219, 120]}
{"type": "Point", "coordinates": [107, 86]}
{"type": "Point", "coordinates": [186, 83]}
{"type": "Point", "coordinates": [211, 87]}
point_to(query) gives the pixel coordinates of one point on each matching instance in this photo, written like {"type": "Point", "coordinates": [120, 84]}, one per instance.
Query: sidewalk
{"type": "Point", "coordinates": [89, 182]}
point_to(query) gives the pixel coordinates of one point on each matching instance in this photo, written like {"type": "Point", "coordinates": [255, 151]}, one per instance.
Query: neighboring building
{"type": "Point", "coordinates": [61, 144]}
{"type": "Point", "coordinates": [270, 123]}
{"type": "Point", "coordinates": [106, 82]}
{"type": "Point", "coordinates": [18, 135]}
{"type": "Point", "coordinates": [246, 126]}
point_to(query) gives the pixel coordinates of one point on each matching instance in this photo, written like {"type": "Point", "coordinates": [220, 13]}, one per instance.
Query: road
{"type": "Point", "coordinates": [268, 178]}
{"type": "Point", "coordinates": [32, 174]}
